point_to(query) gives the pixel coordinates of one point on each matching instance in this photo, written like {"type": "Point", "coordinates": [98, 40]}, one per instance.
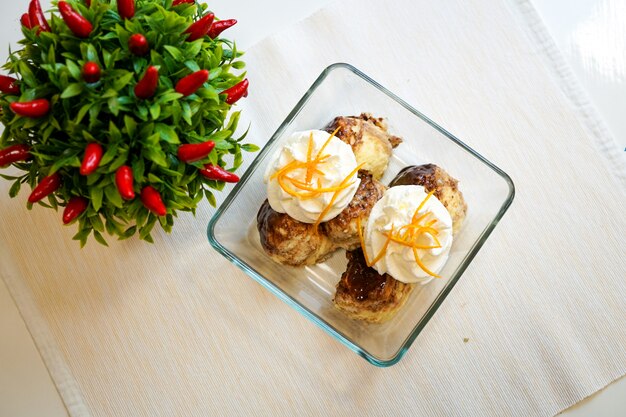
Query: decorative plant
{"type": "Point", "coordinates": [119, 112]}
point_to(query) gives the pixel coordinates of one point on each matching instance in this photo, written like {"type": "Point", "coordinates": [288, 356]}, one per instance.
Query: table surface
{"type": "Point", "coordinates": [592, 36]}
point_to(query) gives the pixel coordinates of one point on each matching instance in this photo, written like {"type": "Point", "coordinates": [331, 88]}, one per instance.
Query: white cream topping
{"type": "Point", "coordinates": [396, 209]}
{"type": "Point", "coordinates": [334, 170]}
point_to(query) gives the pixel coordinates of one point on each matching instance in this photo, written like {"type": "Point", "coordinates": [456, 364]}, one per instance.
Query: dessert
{"type": "Point", "coordinates": [290, 242]}
{"type": "Point", "coordinates": [313, 177]}
{"type": "Point", "coordinates": [369, 139]}
{"type": "Point", "coordinates": [324, 194]}
{"type": "Point", "coordinates": [407, 240]}
{"type": "Point", "coordinates": [342, 230]}
{"type": "Point", "coordinates": [317, 190]}
{"type": "Point", "coordinates": [364, 294]}
{"type": "Point", "coordinates": [411, 231]}
{"type": "Point", "coordinates": [446, 188]}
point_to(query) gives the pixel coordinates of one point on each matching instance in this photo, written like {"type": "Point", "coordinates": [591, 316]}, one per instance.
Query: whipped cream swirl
{"type": "Point", "coordinates": [396, 210]}
{"type": "Point", "coordinates": [332, 171]}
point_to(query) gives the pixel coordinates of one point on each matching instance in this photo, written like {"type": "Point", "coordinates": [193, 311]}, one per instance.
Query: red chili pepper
{"type": "Point", "coordinates": [126, 8]}
{"type": "Point", "coordinates": [91, 72]}
{"type": "Point", "coordinates": [237, 91]}
{"type": "Point", "coordinates": [151, 199]}
{"type": "Point", "coordinates": [37, 18]}
{"type": "Point", "coordinates": [193, 152]}
{"type": "Point", "coordinates": [146, 87]}
{"type": "Point", "coordinates": [74, 208]}
{"type": "Point", "coordinates": [88, 2]}
{"type": "Point", "coordinates": [35, 108]}
{"type": "Point", "coordinates": [179, 2]}
{"type": "Point", "coordinates": [80, 26]}
{"type": "Point", "coordinates": [138, 44]}
{"type": "Point", "coordinates": [25, 20]}
{"type": "Point", "coordinates": [14, 153]}
{"type": "Point", "coordinates": [46, 186]}
{"type": "Point", "coordinates": [8, 86]}
{"type": "Point", "coordinates": [219, 27]}
{"type": "Point", "coordinates": [216, 172]}
{"type": "Point", "coordinates": [191, 83]}
{"type": "Point", "coordinates": [200, 28]}
{"type": "Point", "coordinates": [92, 158]}
{"type": "Point", "coordinates": [124, 182]}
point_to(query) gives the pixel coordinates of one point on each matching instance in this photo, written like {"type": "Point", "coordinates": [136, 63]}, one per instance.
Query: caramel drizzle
{"type": "Point", "coordinates": [308, 189]}
{"type": "Point", "coordinates": [407, 235]}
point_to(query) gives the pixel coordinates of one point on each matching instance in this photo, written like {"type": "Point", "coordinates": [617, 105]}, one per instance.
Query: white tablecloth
{"type": "Point", "coordinates": [174, 329]}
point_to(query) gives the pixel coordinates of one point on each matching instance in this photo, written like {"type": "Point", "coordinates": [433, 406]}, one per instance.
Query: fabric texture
{"type": "Point", "coordinates": [535, 324]}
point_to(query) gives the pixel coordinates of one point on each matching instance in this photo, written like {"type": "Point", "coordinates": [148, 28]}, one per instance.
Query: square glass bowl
{"type": "Point", "coordinates": [342, 90]}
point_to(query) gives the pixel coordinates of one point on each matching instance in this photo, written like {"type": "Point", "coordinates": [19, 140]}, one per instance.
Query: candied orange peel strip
{"type": "Point", "coordinates": [407, 235]}
{"type": "Point", "coordinates": [309, 189]}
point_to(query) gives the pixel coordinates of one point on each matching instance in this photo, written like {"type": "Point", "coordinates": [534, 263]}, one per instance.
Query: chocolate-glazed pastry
{"type": "Point", "coordinates": [369, 139]}
{"type": "Point", "coordinates": [432, 177]}
{"type": "Point", "coordinates": [294, 243]}
{"type": "Point", "coordinates": [342, 230]}
{"type": "Point", "coordinates": [290, 242]}
{"type": "Point", "coordinates": [362, 292]}
{"type": "Point", "coordinates": [366, 295]}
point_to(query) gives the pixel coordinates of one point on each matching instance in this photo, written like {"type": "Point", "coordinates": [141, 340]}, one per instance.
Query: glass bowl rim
{"type": "Point", "coordinates": [266, 283]}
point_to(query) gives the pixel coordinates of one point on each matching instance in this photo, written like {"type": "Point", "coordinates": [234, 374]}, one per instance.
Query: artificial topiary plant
{"type": "Point", "coordinates": [120, 112]}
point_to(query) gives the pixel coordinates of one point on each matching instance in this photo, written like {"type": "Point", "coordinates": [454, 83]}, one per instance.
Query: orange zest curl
{"type": "Point", "coordinates": [308, 189]}
{"type": "Point", "coordinates": [407, 235]}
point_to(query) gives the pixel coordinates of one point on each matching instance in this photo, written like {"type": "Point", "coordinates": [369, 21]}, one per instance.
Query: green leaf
{"type": "Point", "coordinates": [82, 112]}
{"type": "Point", "coordinates": [73, 69]}
{"type": "Point", "coordinates": [98, 236]}
{"type": "Point", "coordinates": [155, 110]}
{"type": "Point", "coordinates": [27, 75]}
{"type": "Point", "coordinates": [109, 154]}
{"type": "Point", "coordinates": [156, 155]}
{"type": "Point", "coordinates": [142, 216]}
{"type": "Point", "coordinates": [109, 93]}
{"type": "Point", "coordinates": [168, 134]}
{"type": "Point", "coordinates": [96, 223]}
{"type": "Point", "coordinates": [175, 53]}
{"type": "Point", "coordinates": [192, 65]}
{"type": "Point", "coordinates": [214, 73]}
{"type": "Point", "coordinates": [138, 170]}
{"type": "Point", "coordinates": [114, 105]}
{"type": "Point", "coordinates": [168, 97]}
{"type": "Point", "coordinates": [15, 188]}
{"type": "Point", "coordinates": [128, 233]}
{"type": "Point", "coordinates": [193, 48]}
{"type": "Point", "coordinates": [249, 147]}
{"type": "Point", "coordinates": [51, 58]}
{"type": "Point", "coordinates": [131, 126]}
{"type": "Point", "coordinates": [72, 90]}
{"type": "Point", "coordinates": [8, 177]}
{"type": "Point", "coordinates": [113, 196]}
{"type": "Point", "coordinates": [82, 235]}
{"type": "Point", "coordinates": [93, 178]}
{"type": "Point", "coordinates": [95, 195]}
{"type": "Point", "coordinates": [147, 228]}
{"type": "Point", "coordinates": [186, 112]}
{"type": "Point", "coordinates": [92, 54]}
{"type": "Point", "coordinates": [69, 157]}
{"type": "Point", "coordinates": [107, 57]}
{"type": "Point", "coordinates": [153, 179]}
{"type": "Point", "coordinates": [123, 81]}
{"type": "Point", "coordinates": [114, 133]}
{"type": "Point", "coordinates": [118, 162]}
{"type": "Point", "coordinates": [210, 197]}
